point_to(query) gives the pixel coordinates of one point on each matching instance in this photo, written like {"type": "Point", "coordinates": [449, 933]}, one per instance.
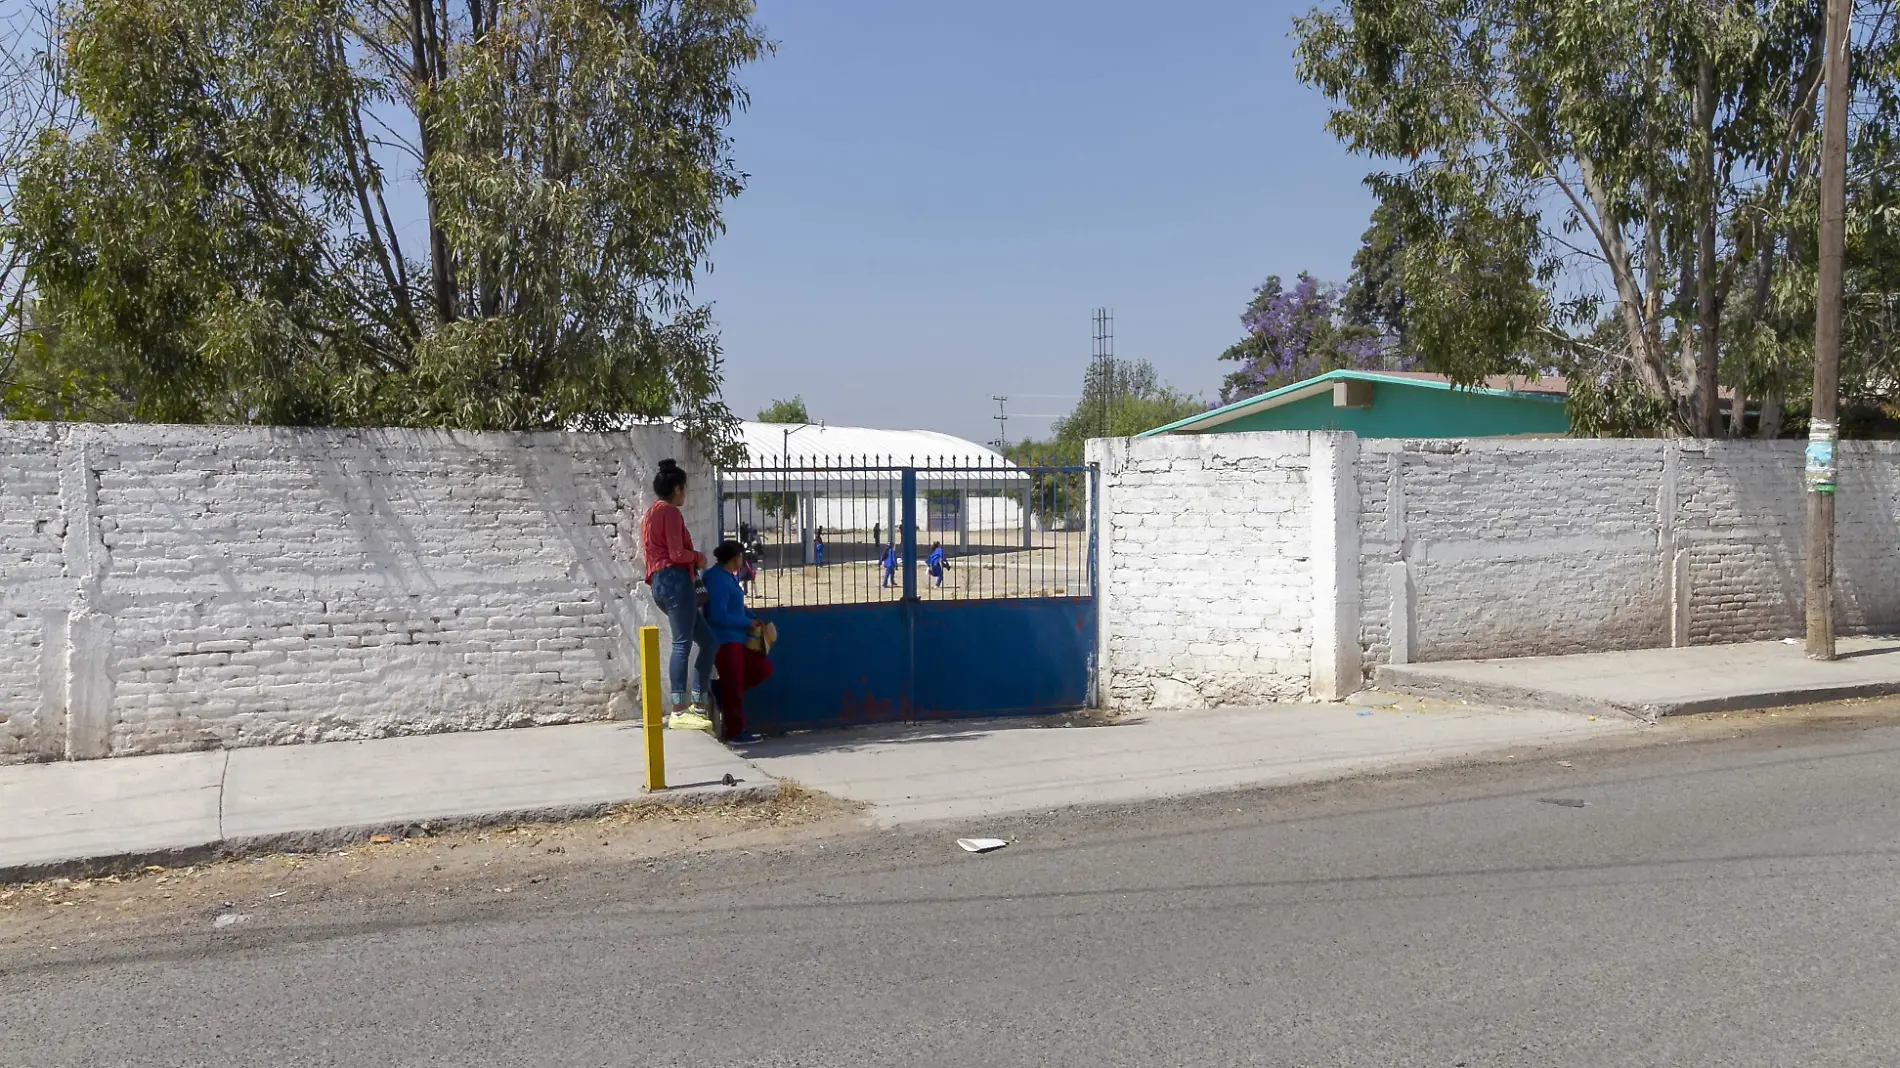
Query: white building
{"type": "Point", "coordinates": [847, 481]}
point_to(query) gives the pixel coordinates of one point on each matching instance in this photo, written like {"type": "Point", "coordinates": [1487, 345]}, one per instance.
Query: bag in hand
{"type": "Point", "coordinates": [762, 637]}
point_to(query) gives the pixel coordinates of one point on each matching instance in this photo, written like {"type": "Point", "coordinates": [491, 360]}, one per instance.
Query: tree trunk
{"type": "Point", "coordinates": [1775, 398]}
{"type": "Point", "coordinates": [426, 45]}
{"type": "Point", "coordinates": [1705, 387]}
{"type": "Point", "coordinates": [1647, 357]}
{"type": "Point", "coordinates": [1687, 360]}
{"type": "Point", "coordinates": [1771, 413]}
{"type": "Point", "coordinates": [1773, 401]}
{"type": "Point", "coordinates": [388, 255]}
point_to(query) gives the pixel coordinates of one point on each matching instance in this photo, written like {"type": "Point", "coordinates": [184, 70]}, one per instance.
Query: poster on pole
{"type": "Point", "coordinates": [1823, 437]}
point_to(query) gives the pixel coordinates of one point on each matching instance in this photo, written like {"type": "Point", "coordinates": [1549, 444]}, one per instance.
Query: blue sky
{"type": "Point", "coordinates": [942, 193]}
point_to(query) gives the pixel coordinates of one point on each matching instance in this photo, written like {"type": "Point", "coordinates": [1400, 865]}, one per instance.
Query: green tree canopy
{"type": "Point", "coordinates": [1374, 298]}
{"type": "Point", "coordinates": [1623, 189]}
{"type": "Point", "coordinates": [786, 411]}
{"type": "Point", "coordinates": [215, 241]}
{"type": "Point", "coordinates": [32, 106]}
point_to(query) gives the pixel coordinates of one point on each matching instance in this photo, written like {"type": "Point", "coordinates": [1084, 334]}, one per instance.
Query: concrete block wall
{"type": "Point", "coordinates": [1527, 548]}
{"type": "Point", "coordinates": [1253, 567]}
{"type": "Point", "coordinates": [1219, 558]}
{"type": "Point", "coordinates": [177, 588]}
{"type": "Point", "coordinates": [1511, 548]}
{"type": "Point", "coordinates": [32, 588]}
{"type": "Point", "coordinates": [1867, 536]}
{"type": "Point", "coordinates": [1741, 540]}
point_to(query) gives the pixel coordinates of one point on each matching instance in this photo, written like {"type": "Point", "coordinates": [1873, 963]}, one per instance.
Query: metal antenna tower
{"type": "Point", "coordinates": [1104, 357]}
{"type": "Point", "coordinates": [1002, 422]}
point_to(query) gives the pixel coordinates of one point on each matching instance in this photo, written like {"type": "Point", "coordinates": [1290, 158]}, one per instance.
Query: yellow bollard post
{"type": "Point", "coordinates": [652, 715]}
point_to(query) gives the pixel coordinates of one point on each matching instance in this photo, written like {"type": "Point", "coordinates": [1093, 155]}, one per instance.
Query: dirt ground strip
{"type": "Point", "coordinates": [493, 862]}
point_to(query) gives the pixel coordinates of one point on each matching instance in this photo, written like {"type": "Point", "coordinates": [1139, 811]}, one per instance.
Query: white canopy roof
{"type": "Point", "coordinates": [844, 459]}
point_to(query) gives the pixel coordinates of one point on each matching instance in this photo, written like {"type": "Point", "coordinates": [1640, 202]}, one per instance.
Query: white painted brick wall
{"type": "Point", "coordinates": [31, 579]}
{"type": "Point", "coordinates": [1510, 548]}
{"type": "Point", "coordinates": [1382, 576]}
{"type": "Point", "coordinates": [1741, 537]}
{"type": "Point", "coordinates": [1742, 528]}
{"type": "Point", "coordinates": [1867, 539]}
{"type": "Point", "coordinates": [221, 587]}
{"type": "Point", "coordinates": [1461, 549]}
{"type": "Point", "coordinates": [1207, 569]}
{"type": "Point", "coordinates": [1525, 548]}
{"type": "Point", "coordinates": [170, 588]}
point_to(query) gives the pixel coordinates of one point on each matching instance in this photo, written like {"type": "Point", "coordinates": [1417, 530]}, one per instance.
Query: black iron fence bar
{"type": "Point", "coordinates": [898, 465]}
{"type": "Point", "coordinates": [830, 497]}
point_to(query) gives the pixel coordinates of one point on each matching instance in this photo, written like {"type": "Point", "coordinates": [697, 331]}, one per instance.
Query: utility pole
{"type": "Point", "coordinates": [1823, 425]}
{"type": "Point", "coordinates": [1002, 422]}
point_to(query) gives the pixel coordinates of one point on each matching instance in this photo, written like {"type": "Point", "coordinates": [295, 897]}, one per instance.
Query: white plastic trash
{"type": "Point", "coordinates": [981, 845]}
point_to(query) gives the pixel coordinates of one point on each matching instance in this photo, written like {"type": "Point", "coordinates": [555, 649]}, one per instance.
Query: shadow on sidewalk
{"type": "Point", "coordinates": [858, 739]}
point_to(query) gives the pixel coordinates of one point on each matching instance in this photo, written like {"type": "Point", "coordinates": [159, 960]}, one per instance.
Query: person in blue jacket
{"type": "Point", "coordinates": [740, 667]}
{"type": "Point", "coordinates": [888, 561]}
{"type": "Point", "coordinates": [937, 562]}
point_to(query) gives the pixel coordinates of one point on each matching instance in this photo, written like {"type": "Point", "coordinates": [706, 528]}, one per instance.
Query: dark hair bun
{"type": "Point", "coordinates": [668, 480]}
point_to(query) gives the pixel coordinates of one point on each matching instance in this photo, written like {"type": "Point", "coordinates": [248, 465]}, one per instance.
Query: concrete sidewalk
{"type": "Point", "coordinates": [1650, 683]}
{"type": "Point", "coordinates": [315, 796]}
{"type": "Point", "coordinates": [193, 805]}
{"type": "Point", "coordinates": [962, 771]}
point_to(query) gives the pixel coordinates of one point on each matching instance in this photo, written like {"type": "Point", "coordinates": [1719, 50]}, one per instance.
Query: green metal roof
{"type": "Point", "coordinates": [1314, 385]}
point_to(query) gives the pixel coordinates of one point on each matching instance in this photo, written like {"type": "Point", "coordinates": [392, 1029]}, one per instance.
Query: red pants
{"type": "Point", "coordinates": [740, 669]}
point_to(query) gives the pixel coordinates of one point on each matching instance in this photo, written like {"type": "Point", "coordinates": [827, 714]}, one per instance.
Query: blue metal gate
{"type": "Point", "coordinates": [882, 617]}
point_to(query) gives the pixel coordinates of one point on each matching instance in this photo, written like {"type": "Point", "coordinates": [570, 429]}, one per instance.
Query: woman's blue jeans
{"type": "Point", "coordinates": [673, 592]}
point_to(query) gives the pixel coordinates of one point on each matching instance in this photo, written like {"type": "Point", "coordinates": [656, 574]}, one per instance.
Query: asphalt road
{"type": "Point", "coordinates": [1733, 903]}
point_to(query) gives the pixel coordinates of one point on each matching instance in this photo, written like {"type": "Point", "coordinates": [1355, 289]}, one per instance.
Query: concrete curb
{"type": "Point", "coordinates": [318, 839]}
{"type": "Point", "coordinates": [1421, 680]}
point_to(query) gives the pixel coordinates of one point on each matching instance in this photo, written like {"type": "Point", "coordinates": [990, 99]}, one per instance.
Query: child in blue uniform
{"type": "Point", "coordinates": [937, 563]}
{"type": "Point", "coordinates": [740, 667]}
